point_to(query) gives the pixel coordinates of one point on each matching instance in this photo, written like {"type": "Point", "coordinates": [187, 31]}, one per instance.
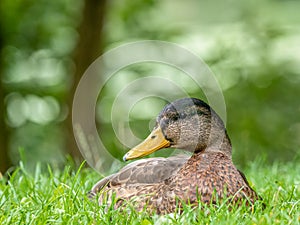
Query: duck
{"type": "Point", "coordinates": [162, 185]}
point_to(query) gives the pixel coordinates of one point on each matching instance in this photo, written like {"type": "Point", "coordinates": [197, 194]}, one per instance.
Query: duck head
{"type": "Point", "coordinates": [189, 124]}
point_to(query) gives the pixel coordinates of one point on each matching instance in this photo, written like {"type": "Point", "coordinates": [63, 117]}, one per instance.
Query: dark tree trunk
{"type": "Point", "coordinates": [5, 161]}
{"type": "Point", "coordinates": [88, 49]}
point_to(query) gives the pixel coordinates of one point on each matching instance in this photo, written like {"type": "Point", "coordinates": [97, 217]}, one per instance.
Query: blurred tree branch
{"type": "Point", "coordinates": [88, 49]}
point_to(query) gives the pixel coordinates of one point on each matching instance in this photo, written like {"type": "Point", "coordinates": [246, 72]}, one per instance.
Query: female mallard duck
{"type": "Point", "coordinates": [207, 175]}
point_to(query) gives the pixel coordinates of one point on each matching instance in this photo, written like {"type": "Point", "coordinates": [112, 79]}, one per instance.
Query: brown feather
{"type": "Point", "coordinates": [207, 176]}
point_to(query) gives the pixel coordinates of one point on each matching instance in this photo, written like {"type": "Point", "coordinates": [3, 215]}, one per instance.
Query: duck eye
{"type": "Point", "coordinates": [174, 117]}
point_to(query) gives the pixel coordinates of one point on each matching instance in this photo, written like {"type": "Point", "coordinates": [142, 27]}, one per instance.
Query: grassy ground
{"type": "Point", "coordinates": [59, 197]}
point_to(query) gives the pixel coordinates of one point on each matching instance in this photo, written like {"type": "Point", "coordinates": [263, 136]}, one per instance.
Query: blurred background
{"type": "Point", "coordinates": [253, 48]}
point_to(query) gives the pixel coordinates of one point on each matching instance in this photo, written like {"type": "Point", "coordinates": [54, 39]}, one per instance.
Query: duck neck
{"type": "Point", "coordinates": [218, 140]}
{"type": "Point", "coordinates": [220, 143]}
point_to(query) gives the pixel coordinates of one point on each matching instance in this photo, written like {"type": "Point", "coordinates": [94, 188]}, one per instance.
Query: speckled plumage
{"type": "Point", "coordinates": [156, 183]}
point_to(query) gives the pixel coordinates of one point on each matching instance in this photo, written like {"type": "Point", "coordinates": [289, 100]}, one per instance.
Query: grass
{"type": "Point", "coordinates": [59, 197]}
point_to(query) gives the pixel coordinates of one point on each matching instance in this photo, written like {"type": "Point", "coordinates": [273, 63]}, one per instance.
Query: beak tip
{"type": "Point", "coordinates": [125, 158]}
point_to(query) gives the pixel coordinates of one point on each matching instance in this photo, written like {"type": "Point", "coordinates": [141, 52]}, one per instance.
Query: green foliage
{"type": "Point", "coordinates": [253, 50]}
{"type": "Point", "coordinates": [251, 46]}
{"type": "Point", "coordinates": [59, 197]}
{"type": "Point", "coordinates": [38, 39]}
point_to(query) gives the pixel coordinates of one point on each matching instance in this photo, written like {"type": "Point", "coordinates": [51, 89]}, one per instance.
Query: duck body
{"type": "Point", "coordinates": [158, 183]}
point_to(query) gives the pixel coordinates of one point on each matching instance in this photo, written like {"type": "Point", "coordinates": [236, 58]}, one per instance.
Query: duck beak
{"type": "Point", "coordinates": [155, 141]}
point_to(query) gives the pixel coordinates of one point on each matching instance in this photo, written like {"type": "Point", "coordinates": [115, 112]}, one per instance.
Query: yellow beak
{"type": "Point", "coordinates": [155, 141]}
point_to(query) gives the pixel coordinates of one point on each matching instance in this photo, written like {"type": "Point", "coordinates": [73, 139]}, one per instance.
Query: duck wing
{"type": "Point", "coordinates": [143, 171]}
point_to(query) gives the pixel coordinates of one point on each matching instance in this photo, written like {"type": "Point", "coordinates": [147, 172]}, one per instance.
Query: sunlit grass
{"type": "Point", "coordinates": [59, 197]}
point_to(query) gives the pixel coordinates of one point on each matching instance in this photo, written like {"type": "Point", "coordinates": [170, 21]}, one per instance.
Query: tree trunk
{"type": "Point", "coordinates": [88, 49]}
{"type": "Point", "coordinates": [5, 161]}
